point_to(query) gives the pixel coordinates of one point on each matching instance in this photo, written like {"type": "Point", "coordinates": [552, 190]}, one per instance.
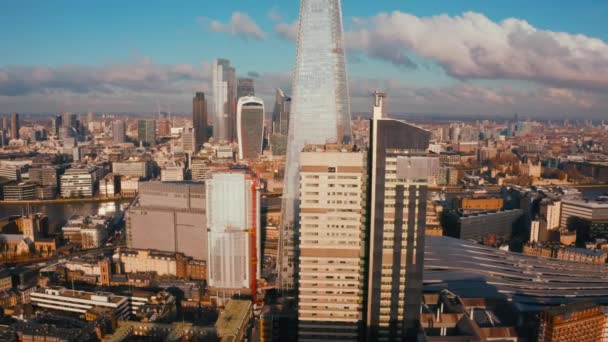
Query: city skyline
{"type": "Point", "coordinates": [540, 61]}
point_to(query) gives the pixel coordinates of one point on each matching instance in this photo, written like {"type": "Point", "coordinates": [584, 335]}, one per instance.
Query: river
{"type": "Point", "coordinates": [58, 213]}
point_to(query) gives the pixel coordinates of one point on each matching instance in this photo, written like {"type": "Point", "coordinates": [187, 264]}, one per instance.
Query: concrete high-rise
{"type": "Point", "coordinates": [320, 109]}
{"type": "Point", "coordinates": [250, 127]}
{"type": "Point", "coordinates": [233, 221]}
{"type": "Point", "coordinates": [118, 131]}
{"type": "Point", "coordinates": [15, 126]}
{"type": "Point", "coordinates": [245, 87]}
{"type": "Point", "coordinates": [332, 243]}
{"type": "Point", "coordinates": [224, 100]}
{"type": "Point", "coordinates": [146, 131]}
{"type": "Point", "coordinates": [199, 119]}
{"type": "Point", "coordinates": [397, 226]}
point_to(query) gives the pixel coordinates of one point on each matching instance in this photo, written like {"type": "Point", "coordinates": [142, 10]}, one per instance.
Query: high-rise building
{"type": "Point", "coordinates": [280, 113]}
{"type": "Point", "coordinates": [164, 127]}
{"type": "Point", "coordinates": [245, 87]}
{"type": "Point", "coordinates": [397, 226]}
{"type": "Point", "coordinates": [224, 100]}
{"type": "Point", "coordinates": [332, 243]}
{"type": "Point", "coordinates": [250, 127]}
{"type": "Point", "coordinates": [15, 126]}
{"type": "Point", "coordinates": [199, 119]}
{"type": "Point", "coordinates": [280, 123]}
{"type": "Point", "coordinates": [69, 125]}
{"type": "Point", "coordinates": [118, 131]}
{"type": "Point", "coordinates": [233, 221]}
{"type": "Point", "coordinates": [320, 108]}
{"type": "Point", "coordinates": [189, 140]}
{"type": "Point", "coordinates": [582, 322]}
{"type": "Point", "coordinates": [56, 125]}
{"type": "Point", "coordinates": [146, 131]}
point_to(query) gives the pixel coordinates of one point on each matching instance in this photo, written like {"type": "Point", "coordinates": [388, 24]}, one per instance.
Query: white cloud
{"type": "Point", "coordinates": [240, 25]}
{"type": "Point", "coordinates": [287, 31]}
{"type": "Point", "coordinates": [472, 46]}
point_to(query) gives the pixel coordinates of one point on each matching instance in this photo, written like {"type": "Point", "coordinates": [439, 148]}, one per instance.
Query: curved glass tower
{"type": "Point", "coordinates": [320, 109]}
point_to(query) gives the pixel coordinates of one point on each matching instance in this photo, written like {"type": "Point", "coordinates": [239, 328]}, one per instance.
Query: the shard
{"type": "Point", "coordinates": [320, 110]}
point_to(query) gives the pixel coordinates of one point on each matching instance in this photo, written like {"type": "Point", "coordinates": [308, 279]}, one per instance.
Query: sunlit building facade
{"type": "Point", "coordinates": [250, 127]}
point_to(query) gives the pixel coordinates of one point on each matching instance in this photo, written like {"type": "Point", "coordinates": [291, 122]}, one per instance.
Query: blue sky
{"type": "Point", "coordinates": [72, 38]}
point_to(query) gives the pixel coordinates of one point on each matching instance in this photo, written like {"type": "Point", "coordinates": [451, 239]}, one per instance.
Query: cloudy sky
{"type": "Point", "coordinates": [543, 58]}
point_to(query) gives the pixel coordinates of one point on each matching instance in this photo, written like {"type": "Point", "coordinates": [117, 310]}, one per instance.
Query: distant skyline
{"type": "Point", "coordinates": [544, 58]}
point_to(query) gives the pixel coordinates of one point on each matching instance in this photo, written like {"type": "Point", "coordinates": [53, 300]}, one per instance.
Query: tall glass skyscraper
{"type": "Point", "coordinates": [224, 100]}
{"type": "Point", "coordinates": [320, 109]}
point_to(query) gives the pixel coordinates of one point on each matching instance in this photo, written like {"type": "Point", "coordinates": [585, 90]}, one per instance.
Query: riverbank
{"type": "Point", "coordinates": [69, 200]}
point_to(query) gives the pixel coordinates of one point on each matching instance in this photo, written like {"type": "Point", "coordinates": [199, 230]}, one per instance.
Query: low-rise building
{"type": "Point", "coordinates": [161, 263]}
{"type": "Point", "coordinates": [129, 186]}
{"type": "Point", "coordinates": [582, 255]}
{"type": "Point", "coordinates": [79, 182]}
{"type": "Point", "coordinates": [234, 321]}
{"type": "Point", "coordinates": [62, 299]}
{"type": "Point", "coordinates": [582, 322]}
{"type": "Point", "coordinates": [20, 192]}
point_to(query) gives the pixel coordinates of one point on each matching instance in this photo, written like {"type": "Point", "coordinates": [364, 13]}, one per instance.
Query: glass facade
{"type": "Point", "coordinates": [250, 119]}
{"type": "Point", "coordinates": [320, 108]}
{"type": "Point", "coordinates": [224, 100]}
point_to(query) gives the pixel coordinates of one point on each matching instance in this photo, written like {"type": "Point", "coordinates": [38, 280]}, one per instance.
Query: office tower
{"type": "Point", "coordinates": [280, 123]}
{"type": "Point", "coordinates": [332, 243]}
{"type": "Point", "coordinates": [233, 221]}
{"type": "Point", "coordinates": [90, 117]}
{"type": "Point", "coordinates": [245, 87]}
{"type": "Point", "coordinates": [169, 217]}
{"type": "Point", "coordinates": [5, 123]}
{"type": "Point", "coordinates": [189, 140]}
{"type": "Point", "coordinates": [146, 131]}
{"type": "Point", "coordinates": [199, 119]}
{"type": "Point", "coordinates": [118, 131]}
{"type": "Point", "coordinates": [280, 113]}
{"type": "Point", "coordinates": [320, 108]}
{"type": "Point", "coordinates": [69, 125]}
{"type": "Point", "coordinates": [224, 100]}
{"type": "Point", "coordinates": [56, 125]}
{"type": "Point", "coordinates": [397, 226]}
{"type": "Point", "coordinates": [581, 322]}
{"type": "Point", "coordinates": [14, 126]}
{"type": "Point", "coordinates": [250, 127]}
{"type": "Point", "coordinates": [164, 127]}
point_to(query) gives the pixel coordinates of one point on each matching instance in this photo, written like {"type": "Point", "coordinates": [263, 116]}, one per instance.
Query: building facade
{"type": "Point", "coordinates": [250, 127]}
{"type": "Point", "coordinates": [233, 219]}
{"type": "Point", "coordinates": [224, 100]}
{"type": "Point", "coordinates": [397, 227]}
{"type": "Point", "coordinates": [582, 322]}
{"type": "Point", "coordinates": [169, 217]}
{"type": "Point", "coordinates": [245, 87]}
{"type": "Point", "coordinates": [79, 182]}
{"type": "Point", "coordinates": [588, 210]}
{"type": "Point", "coordinates": [119, 132]}
{"type": "Point", "coordinates": [199, 119]}
{"type": "Point", "coordinates": [332, 243]}
{"type": "Point", "coordinates": [320, 108]}
{"type": "Point", "coordinates": [146, 131]}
